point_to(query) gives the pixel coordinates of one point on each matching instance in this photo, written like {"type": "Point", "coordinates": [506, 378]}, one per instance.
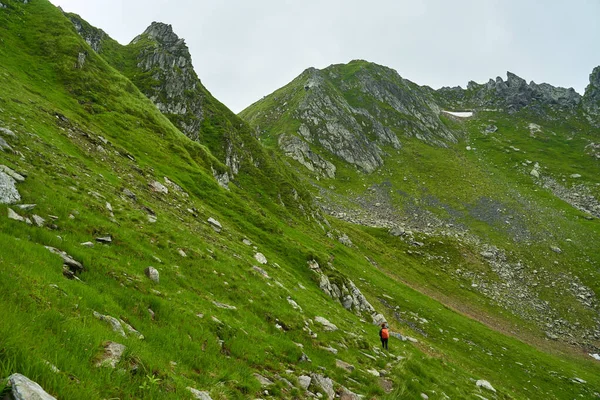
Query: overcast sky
{"type": "Point", "coordinates": [243, 50]}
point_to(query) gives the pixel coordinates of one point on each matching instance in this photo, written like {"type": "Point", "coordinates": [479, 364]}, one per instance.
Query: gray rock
{"type": "Point", "coordinates": [104, 239]}
{"type": "Point", "coordinates": [344, 365]}
{"type": "Point", "coordinates": [263, 380]}
{"type": "Point", "coordinates": [152, 273]}
{"type": "Point", "coordinates": [199, 394]}
{"type": "Point", "coordinates": [247, 242]}
{"type": "Point", "coordinates": [158, 187]}
{"type": "Point", "coordinates": [129, 194]}
{"type": "Point", "coordinates": [39, 221]}
{"type": "Point", "coordinates": [7, 132]}
{"type": "Point", "coordinates": [556, 249]}
{"type": "Point", "coordinates": [113, 322]}
{"type": "Point", "coordinates": [328, 326]}
{"type": "Point", "coordinates": [485, 384]}
{"type": "Point", "coordinates": [491, 129]}
{"type": "Point", "coordinates": [23, 388]}
{"type": "Point", "coordinates": [4, 145]}
{"type": "Point", "coordinates": [216, 225]}
{"type": "Point", "coordinates": [297, 149]}
{"type": "Point", "coordinates": [347, 394]}
{"type": "Point", "coordinates": [260, 258]}
{"type": "Point", "coordinates": [14, 216]}
{"type": "Point", "coordinates": [87, 244]}
{"type": "Point", "coordinates": [8, 171]}
{"type": "Point", "coordinates": [304, 381]}
{"type": "Point", "coordinates": [323, 383]}
{"type": "Point", "coordinates": [294, 305]}
{"type": "Point", "coordinates": [261, 271]}
{"type": "Point", "coordinates": [8, 190]}
{"type": "Point", "coordinates": [68, 261]}
{"type": "Point", "coordinates": [225, 306]}
{"type": "Point", "coordinates": [535, 173]}
{"type": "Point", "coordinates": [26, 207]}
{"type": "Point", "coordinates": [131, 330]}
{"type": "Point", "coordinates": [112, 355]}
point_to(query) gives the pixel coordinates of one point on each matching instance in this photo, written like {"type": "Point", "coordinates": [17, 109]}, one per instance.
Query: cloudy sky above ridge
{"type": "Point", "coordinates": [243, 50]}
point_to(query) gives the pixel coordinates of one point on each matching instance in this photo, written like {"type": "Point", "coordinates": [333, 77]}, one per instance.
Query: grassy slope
{"type": "Point", "coordinates": [42, 322]}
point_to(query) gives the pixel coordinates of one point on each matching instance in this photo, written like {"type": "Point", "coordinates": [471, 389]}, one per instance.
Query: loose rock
{"type": "Point", "coordinates": [485, 384]}
{"type": "Point", "coordinates": [112, 321]}
{"type": "Point", "coordinates": [328, 326]}
{"type": "Point", "coordinates": [8, 191]}
{"type": "Point", "coordinates": [216, 225]}
{"type": "Point", "coordinates": [260, 258]}
{"type": "Point", "coordinates": [198, 394]}
{"type": "Point", "coordinates": [112, 355]}
{"type": "Point", "coordinates": [23, 388]}
{"type": "Point", "coordinates": [152, 274]}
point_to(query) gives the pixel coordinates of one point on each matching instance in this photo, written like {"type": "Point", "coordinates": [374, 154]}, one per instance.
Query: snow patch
{"type": "Point", "coordinates": [459, 114]}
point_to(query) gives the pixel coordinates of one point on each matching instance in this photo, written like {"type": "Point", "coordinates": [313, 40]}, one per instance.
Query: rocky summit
{"type": "Point", "coordinates": [154, 245]}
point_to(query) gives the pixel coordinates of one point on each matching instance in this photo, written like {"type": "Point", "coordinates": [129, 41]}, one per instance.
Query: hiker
{"type": "Point", "coordinates": [384, 334]}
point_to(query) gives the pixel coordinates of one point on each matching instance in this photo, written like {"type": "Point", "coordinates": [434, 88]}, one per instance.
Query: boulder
{"type": "Point", "coordinates": [23, 388]}
{"type": "Point", "coordinates": [112, 355]}
{"type": "Point", "coordinates": [304, 381]}
{"type": "Point", "coordinates": [112, 321]}
{"type": "Point", "coordinates": [152, 274]}
{"type": "Point", "coordinates": [17, 177]}
{"type": "Point", "coordinates": [485, 384]}
{"type": "Point", "coordinates": [344, 365]}
{"type": "Point", "coordinates": [158, 187]}
{"type": "Point", "coordinates": [8, 191]}
{"type": "Point", "coordinates": [323, 383]}
{"type": "Point", "coordinates": [216, 225]}
{"type": "Point", "coordinates": [260, 258]}
{"type": "Point", "coordinates": [199, 394]}
{"type": "Point", "coordinates": [328, 326]}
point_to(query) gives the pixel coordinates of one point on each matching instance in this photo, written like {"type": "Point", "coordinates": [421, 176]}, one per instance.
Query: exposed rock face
{"type": "Point", "coordinates": [353, 111]}
{"type": "Point", "coordinates": [177, 87]}
{"type": "Point", "coordinates": [511, 95]}
{"type": "Point", "coordinates": [93, 36]}
{"type": "Point", "coordinates": [299, 150]}
{"type": "Point", "coordinates": [591, 98]}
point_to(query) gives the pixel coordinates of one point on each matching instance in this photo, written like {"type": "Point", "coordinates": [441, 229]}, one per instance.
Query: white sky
{"type": "Point", "coordinates": [243, 50]}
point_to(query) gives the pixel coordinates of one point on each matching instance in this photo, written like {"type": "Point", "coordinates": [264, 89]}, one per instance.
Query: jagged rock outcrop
{"type": "Point", "coordinates": [297, 149]}
{"type": "Point", "coordinates": [174, 86]}
{"type": "Point", "coordinates": [591, 98]}
{"type": "Point", "coordinates": [511, 95]}
{"type": "Point", "coordinates": [343, 290]}
{"type": "Point", "coordinates": [92, 35]}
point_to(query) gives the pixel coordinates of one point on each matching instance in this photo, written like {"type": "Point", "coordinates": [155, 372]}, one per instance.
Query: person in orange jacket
{"type": "Point", "coordinates": [384, 335]}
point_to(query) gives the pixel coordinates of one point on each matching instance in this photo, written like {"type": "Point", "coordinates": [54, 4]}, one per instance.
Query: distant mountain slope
{"type": "Point", "coordinates": [514, 177]}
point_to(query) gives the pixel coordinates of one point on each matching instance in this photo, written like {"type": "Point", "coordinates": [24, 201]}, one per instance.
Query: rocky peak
{"type": "Point", "coordinates": [512, 95]}
{"type": "Point", "coordinates": [174, 86]}
{"type": "Point", "coordinates": [591, 98]}
{"type": "Point", "coordinates": [163, 33]}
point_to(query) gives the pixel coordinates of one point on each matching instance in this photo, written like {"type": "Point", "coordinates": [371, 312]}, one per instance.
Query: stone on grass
{"type": "Point", "coordinates": [260, 258]}
{"type": "Point", "coordinates": [39, 221]}
{"type": "Point", "coordinates": [104, 239]}
{"type": "Point", "coordinates": [216, 225]}
{"type": "Point", "coordinates": [112, 355]}
{"type": "Point", "coordinates": [112, 321]}
{"type": "Point", "coordinates": [68, 261]}
{"type": "Point", "coordinates": [344, 365]}
{"type": "Point", "coordinates": [304, 381]}
{"type": "Point", "coordinates": [199, 394]}
{"type": "Point", "coordinates": [181, 253]}
{"type": "Point", "coordinates": [23, 388]}
{"type": "Point", "coordinates": [323, 383]}
{"type": "Point", "coordinates": [263, 380]}
{"type": "Point", "coordinates": [347, 394]}
{"type": "Point", "coordinates": [485, 384]}
{"type": "Point", "coordinates": [26, 207]}
{"type": "Point", "coordinates": [14, 216]}
{"type": "Point", "coordinates": [16, 176]}
{"type": "Point", "coordinates": [374, 372]}
{"type": "Point", "coordinates": [158, 187]}
{"type": "Point", "coordinates": [294, 305]}
{"type": "Point", "coordinates": [328, 326]}
{"type": "Point", "coordinates": [132, 330]}
{"type": "Point", "coordinates": [556, 249]}
{"type": "Point", "coordinates": [595, 356]}
{"type": "Point", "coordinates": [7, 132]}
{"type": "Point", "coordinates": [152, 274]}
{"type": "Point", "coordinates": [87, 244]}
{"type": "Point", "coordinates": [225, 306]}
{"type": "Point", "coordinates": [261, 271]}
{"type": "Point", "coordinates": [8, 191]}
{"type": "Point", "coordinates": [247, 242]}
{"type": "Point", "coordinates": [4, 145]}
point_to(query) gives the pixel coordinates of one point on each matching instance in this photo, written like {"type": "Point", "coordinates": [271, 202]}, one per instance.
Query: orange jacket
{"type": "Point", "coordinates": [384, 333]}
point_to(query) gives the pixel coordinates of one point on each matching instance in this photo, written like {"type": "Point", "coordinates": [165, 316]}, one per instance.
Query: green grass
{"type": "Point", "coordinates": [46, 317]}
